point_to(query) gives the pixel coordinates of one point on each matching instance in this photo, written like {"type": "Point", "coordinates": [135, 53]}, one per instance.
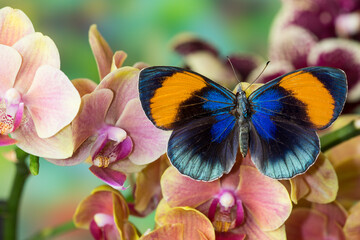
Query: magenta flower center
{"type": "Point", "coordinates": [112, 144]}
{"type": "Point", "coordinates": [226, 211]}
{"type": "Point", "coordinates": [11, 111]}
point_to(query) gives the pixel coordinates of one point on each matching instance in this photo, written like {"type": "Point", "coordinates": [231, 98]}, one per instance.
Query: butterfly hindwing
{"type": "Point", "coordinates": [285, 114]}
{"type": "Point", "coordinates": [172, 97]}
{"type": "Point", "coordinates": [206, 148]}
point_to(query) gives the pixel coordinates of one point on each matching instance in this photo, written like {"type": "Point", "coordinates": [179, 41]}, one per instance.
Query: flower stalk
{"type": "Point", "coordinates": [343, 134]}
{"type": "Point", "coordinates": [10, 213]}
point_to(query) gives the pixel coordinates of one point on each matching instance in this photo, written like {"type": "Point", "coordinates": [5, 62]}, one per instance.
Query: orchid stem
{"type": "Point", "coordinates": [51, 232]}
{"type": "Point", "coordinates": [343, 134]}
{"type": "Point", "coordinates": [10, 211]}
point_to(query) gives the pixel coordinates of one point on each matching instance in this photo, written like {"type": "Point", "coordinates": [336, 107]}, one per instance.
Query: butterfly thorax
{"type": "Point", "coordinates": [242, 114]}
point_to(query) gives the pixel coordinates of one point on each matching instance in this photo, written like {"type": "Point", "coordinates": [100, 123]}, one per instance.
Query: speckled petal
{"type": "Point", "coordinates": [59, 146]}
{"type": "Point", "coordinates": [178, 190]}
{"type": "Point", "coordinates": [149, 142]}
{"type": "Point", "coordinates": [10, 62]}
{"type": "Point", "coordinates": [266, 199]}
{"type": "Point", "coordinates": [343, 54]}
{"type": "Point", "coordinates": [52, 101]}
{"type": "Point", "coordinates": [101, 50]}
{"type": "Point", "coordinates": [14, 25]}
{"type": "Point", "coordinates": [36, 50]}
{"type": "Point", "coordinates": [293, 45]}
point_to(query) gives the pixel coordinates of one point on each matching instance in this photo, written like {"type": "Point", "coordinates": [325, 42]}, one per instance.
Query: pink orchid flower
{"type": "Point", "coordinates": [37, 100]}
{"type": "Point", "coordinates": [111, 126]}
{"type": "Point", "coordinates": [105, 214]}
{"type": "Point", "coordinates": [242, 203]}
{"type": "Point", "coordinates": [320, 222]}
{"type": "Point", "coordinates": [180, 223]}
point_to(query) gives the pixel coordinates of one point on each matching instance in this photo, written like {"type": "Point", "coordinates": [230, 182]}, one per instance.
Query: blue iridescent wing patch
{"type": "Point", "coordinates": [205, 149]}
{"type": "Point", "coordinates": [286, 112]}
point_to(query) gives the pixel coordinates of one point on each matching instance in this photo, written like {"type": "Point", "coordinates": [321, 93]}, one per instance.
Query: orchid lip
{"type": "Point", "coordinates": [226, 211]}
{"type": "Point", "coordinates": [103, 219]}
{"type": "Point", "coordinates": [11, 111]}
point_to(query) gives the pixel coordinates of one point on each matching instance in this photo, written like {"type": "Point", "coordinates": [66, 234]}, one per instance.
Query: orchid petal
{"type": "Point", "coordinates": [91, 115]}
{"type": "Point", "coordinates": [273, 70]}
{"type": "Point", "coordinates": [36, 50]}
{"type": "Point", "coordinates": [126, 166]}
{"type": "Point", "coordinates": [14, 25]}
{"type": "Point", "coordinates": [123, 82]}
{"type": "Point", "coordinates": [52, 100]}
{"type": "Point", "coordinates": [299, 188]}
{"type": "Point", "coordinates": [306, 224]}
{"type": "Point", "coordinates": [80, 155]}
{"type": "Point", "coordinates": [150, 141]}
{"type": "Point", "coordinates": [244, 64]}
{"type": "Point", "coordinates": [229, 236]}
{"type": "Point", "coordinates": [10, 61]}
{"type": "Point", "coordinates": [339, 53]}
{"type": "Point", "coordinates": [19, 115]}
{"type": "Point", "coordinates": [178, 190]}
{"type": "Point", "coordinates": [334, 212]}
{"type": "Point", "coordinates": [59, 146]}
{"type": "Point", "coordinates": [84, 85]}
{"type": "Point", "coordinates": [113, 178]}
{"type": "Point", "coordinates": [293, 46]}
{"type": "Point", "coordinates": [102, 51]}
{"type": "Point", "coordinates": [97, 202]}
{"type": "Point", "coordinates": [352, 225]}
{"type": "Point", "coordinates": [5, 140]}
{"type": "Point", "coordinates": [266, 199]}
{"type": "Point", "coordinates": [322, 181]}
{"type": "Point", "coordinates": [166, 232]}
{"type": "Point", "coordinates": [252, 230]}
{"type": "Point", "coordinates": [95, 231]}
{"type": "Point", "coordinates": [148, 191]}
{"type": "Point", "coordinates": [118, 60]}
{"type": "Point", "coordinates": [193, 221]}
{"type": "Point", "coordinates": [98, 145]}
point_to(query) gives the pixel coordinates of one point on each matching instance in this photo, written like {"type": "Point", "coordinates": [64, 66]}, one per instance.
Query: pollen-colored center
{"type": "Point", "coordinates": [6, 121]}
{"type": "Point", "coordinates": [101, 161]}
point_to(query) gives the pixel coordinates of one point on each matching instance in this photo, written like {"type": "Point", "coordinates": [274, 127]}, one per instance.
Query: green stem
{"type": "Point", "coordinates": [343, 134]}
{"type": "Point", "coordinates": [47, 233]}
{"type": "Point", "coordinates": [10, 212]}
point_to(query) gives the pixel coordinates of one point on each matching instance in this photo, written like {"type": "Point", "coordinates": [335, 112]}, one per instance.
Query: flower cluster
{"type": "Point", "coordinates": [69, 122]}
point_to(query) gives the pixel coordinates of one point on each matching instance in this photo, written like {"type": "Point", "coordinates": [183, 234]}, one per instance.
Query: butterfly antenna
{"type": "Point", "coordinates": [267, 63]}
{"type": "Point", "coordinates": [233, 70]}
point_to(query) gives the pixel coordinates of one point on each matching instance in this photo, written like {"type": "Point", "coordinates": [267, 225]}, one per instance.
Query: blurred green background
{"type": "Point", "coordinates": [144, 30]}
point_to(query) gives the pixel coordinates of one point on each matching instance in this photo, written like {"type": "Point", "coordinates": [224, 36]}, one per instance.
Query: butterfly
{"type": "Point", "coordinates": [277, 122]}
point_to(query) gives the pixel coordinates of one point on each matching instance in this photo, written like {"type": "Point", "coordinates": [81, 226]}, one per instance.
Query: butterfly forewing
{"type": "Point", "coordinates": [285, 114]}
